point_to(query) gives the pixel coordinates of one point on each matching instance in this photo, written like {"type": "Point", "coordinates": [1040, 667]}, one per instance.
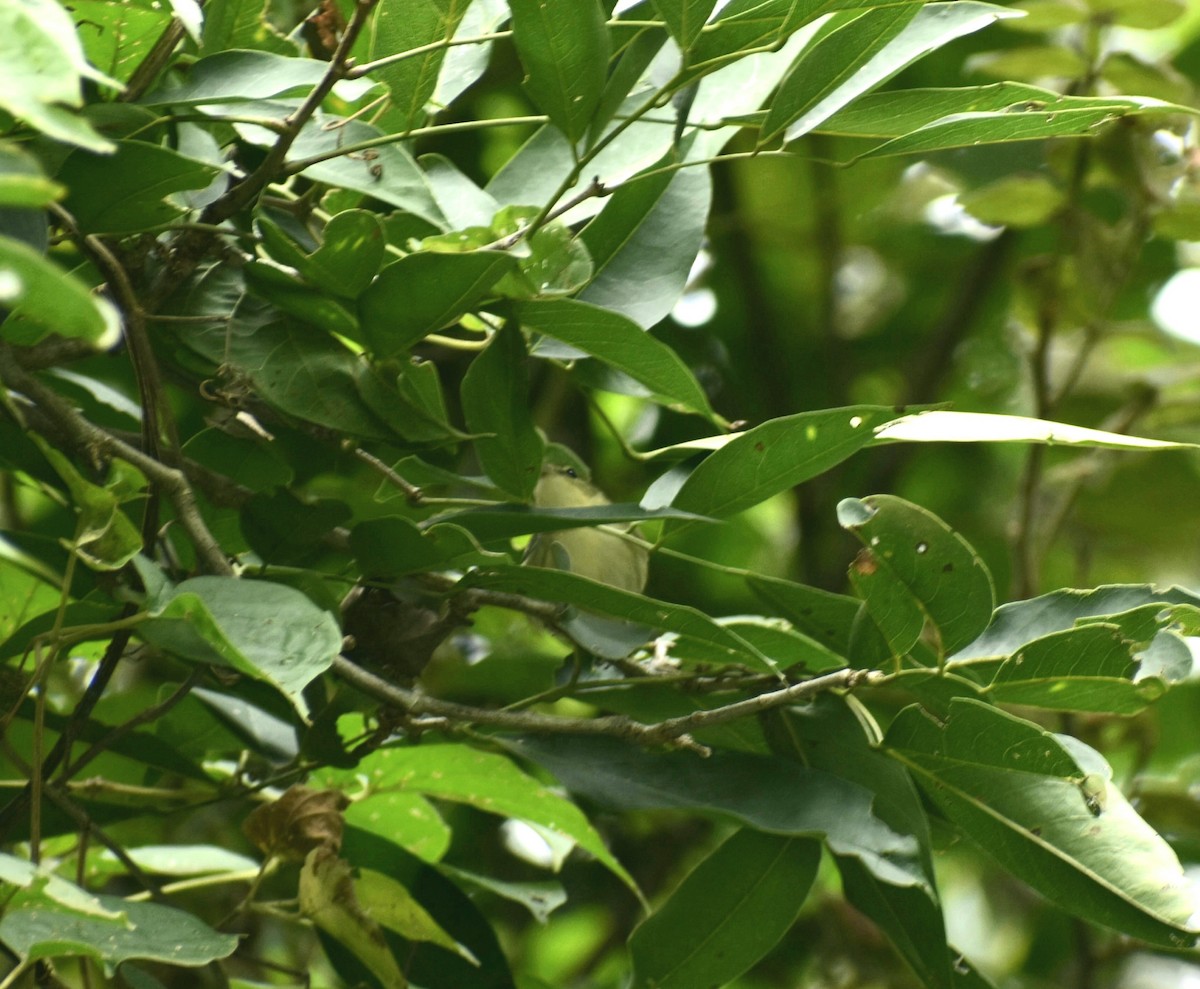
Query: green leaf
{"type": "Point", "coordinates": [119, 35]}
{"type": "Point", "coordinates": [563, 587]}
{"type": "Point", "coordinates": [909, 553]}
{"type": "Point", "coordinates": [781, 453]}
{"type": "Point", "coordinates": [394, 546]}
{"type": "Point", "coordinates": [495, 400]}
{"type": "Point", "coordinates": [350, 254]}
{"type": "Point", "coordinates": [879, 51]}
{"type": "Point", "coordinates": [268, 631]}
{"type": "Point", "coordinates": [105, 538]}
{"type": "Point", "coordinates": [40, 293]}
{"type": "Point", "coordinates": [34, 928]}
{"type": "Point", "coordinates": [402, 26]}
{"type": "Point", "coordinates": [896, 113]}
{"type": "Point", "coordinates": [425, 292]}
{"type": "Point", "coordinates": [773, 795]}
{"type": "Point", "coordinates": [41, 66]}
{"type": "Point", "coordinates": [22, 183]}
{"type": "Point", "coordinates": [1090, 668]}
{"type": "Point", "coordinates": [1034, 120]}
{"type": "Point", "coordinates": [727, 913]}
{"type": "Point", "coordinates": [491, 523]}
{"type": "Point", "coordinates": [831, 619]}
{"type": "Point", "coordinates": [684, 18]}
{"type": "Point", "coordinates": [939, 426]}
{"type": "Point", "coordinates": [1144, 14]}
{"type": "Point", "coordinates": [128, 191]}
{"type": "Point", "coordinates": [1018, 623]}
{"type": "Point", "coordinates": [564, 47]}
{"type": "Point", "coordinates": [241, 24]}
{"type": "Point", "coordinates": [645, 240]}
{"type": "Point", "coordinates": [1050, 815]}
{"type": "Point", "coordinates": [835, 69]}
{"type": "Point", "coordinates": [838, 735]}
{"type": "Point", "coordinates": [239, 76]}
{"type": "Point", "coordinates": [620, 343]}
{"type": "Point", "coordinates": [487, 781]}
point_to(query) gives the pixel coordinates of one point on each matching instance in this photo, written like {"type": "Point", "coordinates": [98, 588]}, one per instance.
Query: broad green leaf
{"type": "Point", "coordinates": [105, 538]}
{"type": "Point", "coordinates": [239, 76]}
{"type": "Point", "coordinates": [488, 524]}
{"type": "Point", "coordinates": [684, 18]}
{"type": "Point", "coordinates": [781, 453]}
{"type": "Point", "coordinates": [464, 64]}
{"type": "Point", "coordinates": [425, 292]}
{"type": "Point", "coordinates": [645, 240]}
{"type": "Point", "coordinates": [564, 46]}
{"type": "Point", "coordinates": [45, 299]}
{"type": "Point", "coordinates": [773, 795]}
{"type": "Point", "coordinates": [487, 781]}
{"type": "Point", "coordinates": [121, 34]}
{"type": "Point", "coordinates": [351, 252]}
{"type": "Point", "coordinates": [1090, 668]}
{"type": "Point", "coordinates": [401, 26]}
{"type": "Point", "coordinates": [1051, 816]}
{"type": "Point", "coordinates": [934, 25]}
{"type": "Point", "coordinates": [838, 735]}
{"type": "Point", "coordinates": [291, 295]}
{"type": "Point", "coordinates": [327, 895]}
{"type": "Point", "coordinates": [394, 546]}
{"type": "Point", "coordinates": [39, 879]}
{"type": "Point", "coordinates": [268, 631]}
{"type": "Point", "coordinates": [540, 898]}
{"type": "Point", "coordinates": [34, 927]}
{"type": "Point", "coordinates": [1026, 122]}
{"type": "Point", "coordinates": [619, 343]}
{"type": "Point", "coordinates": [463, 202]}
{"type": "Point", "coordinates": [495, 400]}
{"type": "Point", "coordinates": [127, 191]}
{"type": "Point", "coordinates": [232, 24]}
{"type": "Point", "coordinates": [302, 371]}
{"type": "Point", "coordinates": [1020, 622]}
{"type": "Point", "coordinates": [834, 69]}
{"type": "Point", "coordinates": [568, 588]}
{"type": "Point", "coordinates": [908, 551]}
{"type": "Point", "coordinates": [896, 113]}
{"type": "Point", "coordinates": [388, 173]}
{"type": "Point", "coordinates": [831, 619]}
{"type": "Point", "coordinates": [395, 908]}
{"type": "Point", "coordinates": [939, 426]}
{"type": "Point", "coordinates": [727, 913]}
{"type": "Point", "coordinates": [175, 860]}
{"type": "Point", "coordinates": [41, 67]}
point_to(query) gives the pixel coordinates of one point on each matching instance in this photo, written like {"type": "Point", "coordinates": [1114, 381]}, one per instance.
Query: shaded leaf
{"type": "Point", "coordinates": [564, 47]}
{"type": "Point", "coordinates": [1056, 822]}
{"type": "Point", "coordinates": [727, 913]}
{"type": "Point", "coordinates": [913, 563]}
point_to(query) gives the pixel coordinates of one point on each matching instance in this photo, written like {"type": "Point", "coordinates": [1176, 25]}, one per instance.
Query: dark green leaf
{"type": "Point", "coordinates": [836, 68]}
{"type": "Point", "coordinates": [127, 191]}
{"type": "Point", "coordinates": [781, 453]}
{"type": "Point", "coordinates": [564, 47]}
{"type": "Point", "coordinates": [644, 241]}
{"type": "Point", "coordinates": [423, 293]}
{"type": "Point", "coordinates": [910, 553]}
{"type": "Point", "coordinates": [269, 631]}
{"type": "Point", "coordinates": [1049, 814]}
{"type": "Point", "coordinates": [727, 913]}
{"type": "Point", "coordinates": [772, 795]}
{"type": "Point", "coordinates": [506, 521]}
{"type": "Point", "coordinates": [620, 343]}
{"type": "Point", "coordinates": [495, 393]}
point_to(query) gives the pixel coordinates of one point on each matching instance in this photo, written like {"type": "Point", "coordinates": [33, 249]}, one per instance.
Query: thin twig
{"type": "Point", "coordinates": [673, 731]}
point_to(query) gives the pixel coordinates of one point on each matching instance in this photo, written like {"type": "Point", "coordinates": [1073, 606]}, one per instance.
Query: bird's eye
{"type": "Point", "coordinates": [570, 472]}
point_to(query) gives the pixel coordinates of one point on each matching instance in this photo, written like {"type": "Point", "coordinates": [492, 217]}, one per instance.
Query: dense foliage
{"type": "Point", "coordinates": [302, 304]}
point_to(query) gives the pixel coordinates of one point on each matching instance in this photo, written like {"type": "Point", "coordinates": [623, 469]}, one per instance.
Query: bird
{"type": "Point", "coordinates": [591, 551]}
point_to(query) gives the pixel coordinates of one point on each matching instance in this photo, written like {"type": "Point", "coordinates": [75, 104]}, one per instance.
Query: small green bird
{"type": "Point", "coordinates": [591, 551]}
